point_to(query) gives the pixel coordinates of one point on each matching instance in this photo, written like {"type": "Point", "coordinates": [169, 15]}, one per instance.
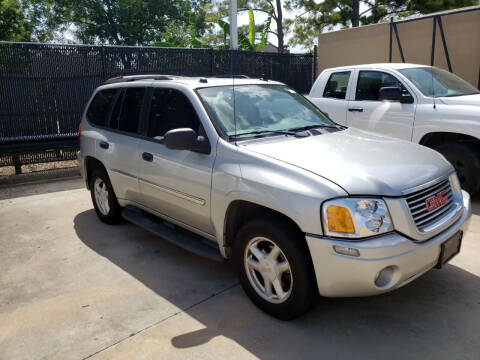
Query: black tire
{"type": "Point", "coordinates": [466, 160]}
{"type": "Point", "coordinates": [294, 248]}
{"type": "Point", "coordinates": [113, 215]}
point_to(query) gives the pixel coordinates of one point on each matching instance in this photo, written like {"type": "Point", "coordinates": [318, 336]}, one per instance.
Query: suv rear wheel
{"type": "Point", "coordinates": [466, 161]}
{"type": "Point", "coordinates": [103, 198]}
{"type": "Point", "coordinates": [274, 267]}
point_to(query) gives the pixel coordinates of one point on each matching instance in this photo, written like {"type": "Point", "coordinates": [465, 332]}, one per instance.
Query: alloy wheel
{"type": "Point", "coordinates": [268, 270]}
{"type": "Point", "coordinates": [101, 196]}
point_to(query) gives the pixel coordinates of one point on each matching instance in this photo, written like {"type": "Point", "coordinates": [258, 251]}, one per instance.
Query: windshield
{"type": "Point", "coordinates": [443, 83]}
{"type": "Point", "coordinates": [265, 109]}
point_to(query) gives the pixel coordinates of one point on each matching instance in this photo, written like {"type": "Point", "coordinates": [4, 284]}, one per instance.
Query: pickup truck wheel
{"type": "Point", "coordinates": [466, 162]}
{"type": "Point", "coordinates": [103, 198]}
{"type": "Point", "coordinates": [274, 267]}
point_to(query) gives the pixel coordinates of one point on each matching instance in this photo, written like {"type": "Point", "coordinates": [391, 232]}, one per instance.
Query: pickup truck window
{"type": "Point", "coordinates": [370, 82]}
{"type": "Point", "coordinates": [336, 86]}
{"type": "Point", "coordinates": [260, 108]}
{"type": "Point", "coordinates": [170, 110]}
{"type": "Point", "coordinates": [432, 81]}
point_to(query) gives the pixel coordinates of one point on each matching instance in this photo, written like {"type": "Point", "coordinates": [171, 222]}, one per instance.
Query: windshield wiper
{"type": "Point", "coordinates": [261, 132]}
{"type": "Point", "coordinates": [309, 127]}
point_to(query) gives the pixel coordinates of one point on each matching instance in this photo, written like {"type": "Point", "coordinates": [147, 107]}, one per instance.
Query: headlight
{"type": "Point", "coordinates": [355, 217]}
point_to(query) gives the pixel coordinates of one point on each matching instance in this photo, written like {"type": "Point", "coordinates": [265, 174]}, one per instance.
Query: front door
{"type": "Point", "coordinates": [175, 183]}
{"type": "Point", "coordinates": [367, 112]}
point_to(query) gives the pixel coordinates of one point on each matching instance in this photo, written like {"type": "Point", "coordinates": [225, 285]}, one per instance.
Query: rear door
{"type": "Point", "coordinates": [175, 183]}
{"type": "Point", "coordinates": [330, 96]}
{"type": "Point", "coordinates": [366, 111]}
{"type": "Point", "coordinates": [118, 145]}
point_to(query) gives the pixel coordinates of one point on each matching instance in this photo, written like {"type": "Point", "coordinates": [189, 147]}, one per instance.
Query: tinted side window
{"type": "Point", "coordinates": [115, 117]}
{"type": "Point", "coordinates": [131, 108]}
{"type": "Point", "coordinates": [170, 110]}
{"type": "Point", "coordinates": [370, 82]}
{"type": "Point", "coordinates": [97, 112]}
{"type": "Point", "coordinates": [337, 85]}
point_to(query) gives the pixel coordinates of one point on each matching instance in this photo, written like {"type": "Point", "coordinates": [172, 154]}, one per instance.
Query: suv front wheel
{"type": "Point", "coordinates": [103, 198]}
{"type": "Point", "coordinates": [274, 267]}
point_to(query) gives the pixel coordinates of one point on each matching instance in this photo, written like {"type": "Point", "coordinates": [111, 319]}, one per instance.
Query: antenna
{"type": "Point", "coordinates": [234, 113]}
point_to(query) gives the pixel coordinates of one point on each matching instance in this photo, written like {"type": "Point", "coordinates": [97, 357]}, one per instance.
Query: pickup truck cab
{"type": "Point", "coordinates": [255, 173]}
{"type": "Point", "coordinates": [418, 103]}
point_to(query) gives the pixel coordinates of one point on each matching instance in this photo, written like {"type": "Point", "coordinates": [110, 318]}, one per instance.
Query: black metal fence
{"type": "Point", "coordinates": [44, 87]}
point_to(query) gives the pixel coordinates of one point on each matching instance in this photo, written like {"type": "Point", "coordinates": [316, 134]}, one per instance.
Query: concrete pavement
{"type": "Point", "coordinates": [72, 287]}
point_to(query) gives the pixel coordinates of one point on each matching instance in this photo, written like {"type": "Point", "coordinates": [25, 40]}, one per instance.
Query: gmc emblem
{"type": "Point", "coordinates": [435, 201]}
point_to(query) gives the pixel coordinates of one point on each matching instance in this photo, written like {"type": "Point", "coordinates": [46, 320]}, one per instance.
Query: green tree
{"type": "Point", "coordinates": [249, 41]}
{"type": "Point", "coordinates": [29, 20]}
{"type": "Point", "coordinates": [272, 8]}
{"type": "Point", "coordinates": [12, 22]}
{"type": "Point", "coordinates": [125, 22]}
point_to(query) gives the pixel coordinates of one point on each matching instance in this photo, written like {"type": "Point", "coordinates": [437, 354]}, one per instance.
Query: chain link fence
{"type": "Point", "coordinates": [44, 87]}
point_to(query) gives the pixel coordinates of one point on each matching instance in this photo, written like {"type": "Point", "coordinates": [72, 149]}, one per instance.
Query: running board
{"type": "Point", "coordinates": [176, 235]}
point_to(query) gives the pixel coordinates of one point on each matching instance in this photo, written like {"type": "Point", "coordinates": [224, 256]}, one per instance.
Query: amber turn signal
{"type": "Point", "coordinates": [339, 219]}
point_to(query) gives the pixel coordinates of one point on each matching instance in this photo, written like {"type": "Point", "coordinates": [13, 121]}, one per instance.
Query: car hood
{"type": "Point", "coordinates": [473, 100]}
{"type": "Point", "coordinates": [360, 162]}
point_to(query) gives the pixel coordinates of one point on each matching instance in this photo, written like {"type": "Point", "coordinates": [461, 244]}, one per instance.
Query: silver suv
{"type": "Point", "coordinates": [249, 170]}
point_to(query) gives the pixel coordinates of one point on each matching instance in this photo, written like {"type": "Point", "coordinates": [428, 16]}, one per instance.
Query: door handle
{"type": "Point", "coordinates": [147, 156]}
{"type": "Point", "coordinates": [355, 109]}
{"type": "Point", "coordinates": [104, 145]}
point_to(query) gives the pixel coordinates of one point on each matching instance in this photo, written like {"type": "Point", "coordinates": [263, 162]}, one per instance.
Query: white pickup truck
{"type": "Point", "coordinates": [418, 103]}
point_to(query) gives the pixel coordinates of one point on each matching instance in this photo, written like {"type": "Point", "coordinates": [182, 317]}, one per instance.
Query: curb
{"type": "Point", "coordinates": [39, 176]}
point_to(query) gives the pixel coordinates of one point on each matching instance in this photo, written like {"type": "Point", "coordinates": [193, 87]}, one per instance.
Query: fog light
{"type": "Point", "coordinates": [384, 277]}
{"type": "Point", "coordinates": [346, 251]}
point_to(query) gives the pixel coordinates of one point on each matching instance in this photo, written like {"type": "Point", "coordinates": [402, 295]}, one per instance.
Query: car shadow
{"type": "Point", "coordinates": [434, 317]}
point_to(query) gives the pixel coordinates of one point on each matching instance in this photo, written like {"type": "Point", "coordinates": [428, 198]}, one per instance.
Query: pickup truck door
{"type": "Point", "coordinates": [329, 94]}
{"type": "Point", "coordinates": [366, 112]}
{"type": "Point", "coordinates": [175, 183]}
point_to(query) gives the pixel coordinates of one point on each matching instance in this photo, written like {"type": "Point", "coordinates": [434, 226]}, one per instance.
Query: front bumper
{"type": "Point", "coordinates": [341, 275]}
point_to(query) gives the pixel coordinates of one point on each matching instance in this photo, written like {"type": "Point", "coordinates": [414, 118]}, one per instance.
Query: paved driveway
{"type": "Point", "coordinates": [72, 287]}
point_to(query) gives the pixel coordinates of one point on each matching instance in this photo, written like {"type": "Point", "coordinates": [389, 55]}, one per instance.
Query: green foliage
{"type": "Point", "coordinates": [429, 6]}
{"type": "Point", "coordinates": [124, 22]}
{"type": "Point", "coordinates": [251, 27]}
{"type": "Point", "coordinates": [29, 20]}
{"type": "Point", "coordinates": [13, 26]}
{"type": "Point", "coordinates": [248, 42]}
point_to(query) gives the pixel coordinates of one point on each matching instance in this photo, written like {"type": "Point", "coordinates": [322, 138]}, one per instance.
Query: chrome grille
{"type": "Point", "coordinates": [417, 202]}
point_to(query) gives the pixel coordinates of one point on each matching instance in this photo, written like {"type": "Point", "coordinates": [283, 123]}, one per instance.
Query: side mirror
{"type": "Point", "coordinates": [393, 93]}
{"type": "Point", "coordinates": [186, 139]}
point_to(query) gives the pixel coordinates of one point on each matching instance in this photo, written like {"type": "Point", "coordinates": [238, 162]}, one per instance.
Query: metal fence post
{"type": "Point", "coordinates": [315, 49]}
{"type": "Point", "coordinates": [390, 44]}
{"type": "Point", "coordinates": [17, 163]}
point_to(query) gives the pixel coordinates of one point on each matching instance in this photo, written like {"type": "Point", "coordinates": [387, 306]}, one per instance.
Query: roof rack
{"type": "Point", "coordinates": [137, 77]}
{"type": "Point", "coordinates": [232, 76]}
